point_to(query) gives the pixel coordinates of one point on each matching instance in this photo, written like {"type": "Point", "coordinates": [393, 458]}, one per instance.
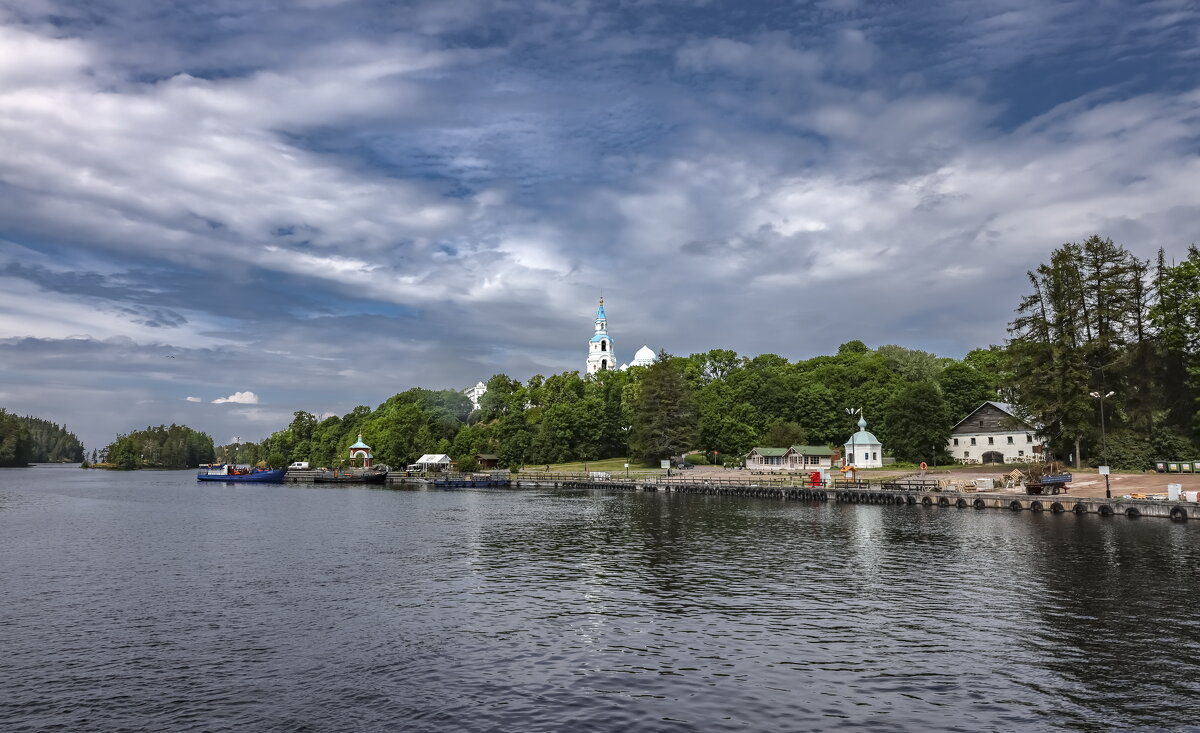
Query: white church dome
{"type": "Point", "coordinates": [644, 357]}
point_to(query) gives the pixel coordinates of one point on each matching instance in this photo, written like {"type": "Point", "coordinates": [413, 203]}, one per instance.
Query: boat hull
{"type": "Point", "coordinates": [351, 477]}
{"type": "Point", "coordinates": [255, 477]}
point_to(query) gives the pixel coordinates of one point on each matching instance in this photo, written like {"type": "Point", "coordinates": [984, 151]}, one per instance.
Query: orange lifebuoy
{"type": "Point", "coordinates": [923, 466]}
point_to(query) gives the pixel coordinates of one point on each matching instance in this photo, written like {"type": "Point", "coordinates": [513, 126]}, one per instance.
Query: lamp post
{"type": "Point", "coordinates": [1103, 439]}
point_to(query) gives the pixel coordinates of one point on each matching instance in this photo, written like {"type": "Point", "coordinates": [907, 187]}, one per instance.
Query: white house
{"type": "Point", "coordinates": [994, 433]}
{"type": "Point", "coordinates": [474, 393]}
{"type": "Point", "coordinates": [863, 450]}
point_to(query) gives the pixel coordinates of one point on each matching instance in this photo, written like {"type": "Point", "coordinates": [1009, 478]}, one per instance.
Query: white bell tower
{"type": "Point", "coordinates": [601, 357]}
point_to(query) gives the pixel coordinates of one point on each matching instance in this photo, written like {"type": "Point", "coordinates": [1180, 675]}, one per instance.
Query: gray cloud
{"type": "Point", "coordinates": [324, 204]}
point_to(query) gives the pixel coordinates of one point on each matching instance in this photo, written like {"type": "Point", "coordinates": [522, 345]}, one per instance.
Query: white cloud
{"type": "Point", "coordinates": [242, 398]}
{"type": "Point", "coordinates": [193, 399]}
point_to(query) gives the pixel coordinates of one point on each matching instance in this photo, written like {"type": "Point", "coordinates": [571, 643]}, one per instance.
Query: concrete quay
{"type": "Point", "coordinates": [889, 493]}
{"type": "Point", "coordinates": [894, 493]}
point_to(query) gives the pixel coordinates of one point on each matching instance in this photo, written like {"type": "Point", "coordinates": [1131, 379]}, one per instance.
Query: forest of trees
{"type": "Point", "coordinates": [717, 402]}
{"type": "Point", "coordinates": [1101, 327]}
{"type": "Point", "coordinates": [1097, 320]}
{"type": "Point", "coordinates": [174, 446]}
{"type": "Point", "coordinates": [25, 440]}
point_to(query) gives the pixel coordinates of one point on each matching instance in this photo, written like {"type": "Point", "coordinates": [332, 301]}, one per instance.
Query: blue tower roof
{"type": "Point", "coordinates": [600, 312]}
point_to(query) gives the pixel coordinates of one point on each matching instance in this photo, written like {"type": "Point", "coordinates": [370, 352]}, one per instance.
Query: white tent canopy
{"type": "Point", "coordinates": [434, 459]}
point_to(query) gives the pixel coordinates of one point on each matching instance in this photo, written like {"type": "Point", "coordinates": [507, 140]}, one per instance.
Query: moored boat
{"type": "Point", "coordinates": [351, 476]}
{"type": "Point", "coordinates": [239, 474]}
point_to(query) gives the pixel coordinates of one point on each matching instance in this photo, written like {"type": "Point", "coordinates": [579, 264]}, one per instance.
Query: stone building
{"type": "Point", "coordinates": [994, 433]}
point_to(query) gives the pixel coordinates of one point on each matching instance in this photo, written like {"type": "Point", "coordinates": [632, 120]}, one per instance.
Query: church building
{"type": "Point", "coordinates": [601, 356]}
{"type": "Point", "coordinates": [863, 450]}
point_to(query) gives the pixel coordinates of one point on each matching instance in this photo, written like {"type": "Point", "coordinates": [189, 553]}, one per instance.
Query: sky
{"type": "Point", "coordinates": [217, 213]}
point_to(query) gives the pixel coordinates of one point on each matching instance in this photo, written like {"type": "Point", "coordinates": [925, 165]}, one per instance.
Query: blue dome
{"type": "Point", "coordinates": [600, 337]}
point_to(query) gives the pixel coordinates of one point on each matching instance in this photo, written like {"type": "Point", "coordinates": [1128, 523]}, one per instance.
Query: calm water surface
{"type": "Point", "coordinates": [148, 601]}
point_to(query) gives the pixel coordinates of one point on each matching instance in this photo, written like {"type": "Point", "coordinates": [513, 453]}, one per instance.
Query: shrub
{"type": "Point", "coordinates": [696, 459]}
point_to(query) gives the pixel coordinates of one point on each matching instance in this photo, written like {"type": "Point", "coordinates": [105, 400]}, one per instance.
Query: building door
{"type": "Point", "coordinates": [993, 456]}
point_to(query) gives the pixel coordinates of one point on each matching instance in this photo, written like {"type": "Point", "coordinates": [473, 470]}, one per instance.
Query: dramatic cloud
{"type": "Point", "coordinates": [347, 199]}
{"type": "Point", "coordinates": [242, 398]}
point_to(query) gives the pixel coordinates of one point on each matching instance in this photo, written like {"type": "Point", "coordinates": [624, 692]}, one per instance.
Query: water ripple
{"type": "Point", "coordinates": [146, 601]}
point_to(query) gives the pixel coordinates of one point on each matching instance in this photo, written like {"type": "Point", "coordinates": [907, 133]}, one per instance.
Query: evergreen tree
{"type": "Point", "coordinates": [664, 419]}
{"type": "Point", "coordinates": [16, 445]}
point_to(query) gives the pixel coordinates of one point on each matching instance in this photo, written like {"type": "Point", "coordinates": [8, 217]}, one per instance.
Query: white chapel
{"type": "Point", "coordinates": [863, 450]}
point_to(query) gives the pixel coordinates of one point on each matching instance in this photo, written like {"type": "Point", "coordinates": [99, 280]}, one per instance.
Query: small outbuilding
{"type": "Point", "coordinates": [361, 451]}
{"type": "Point", "coordinates": [863, 450]}
{"type": "Point", "coordinates": [487, 460]}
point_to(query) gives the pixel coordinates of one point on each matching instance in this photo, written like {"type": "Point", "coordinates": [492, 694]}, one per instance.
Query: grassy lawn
{"type": "Point", "coordinates": [611, 465]}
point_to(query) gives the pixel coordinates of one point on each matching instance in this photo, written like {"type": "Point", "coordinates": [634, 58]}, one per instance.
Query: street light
{"type": "Point", "coordinates": [1103, 439]}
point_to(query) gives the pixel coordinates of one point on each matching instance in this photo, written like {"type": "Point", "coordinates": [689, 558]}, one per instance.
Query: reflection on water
{"type": "Point", "coordinates": [146, 600]}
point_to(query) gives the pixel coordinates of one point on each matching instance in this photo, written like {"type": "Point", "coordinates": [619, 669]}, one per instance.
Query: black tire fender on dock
{"type": "Point", "coordinates": [1178, 514]}
{"type": "Point", "coordinates": [926, 501]}
{"type": "Point", "coordinates": [911, 500]}
{"type": "Point", "coordinates": [980, 504]}
{"type": "Point", "coordinates": [1079, 508]}
{"type": "Point", "coordinates": [961, 503]}
{"type": "Point", "coordinates": [822, 496]}
{"type": "Point", "coordinates": [1015, 506]}
{"type": "Point", "coordinates": [1057, 508]}
{"type": "Point", "coordinates": [1133, 512]}
{"type": "Point", "coordinates": [943, 501]}
{"type": "Point", "coordinates": [1105, 510]}
{"type": "Point", "coordinates": [1036, 506]}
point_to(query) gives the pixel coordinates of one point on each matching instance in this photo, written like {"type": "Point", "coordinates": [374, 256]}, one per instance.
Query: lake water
{"type": "Point", "coordinates": [148, 601]}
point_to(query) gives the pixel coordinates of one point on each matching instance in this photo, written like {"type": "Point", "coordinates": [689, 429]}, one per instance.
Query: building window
{"type": "Point", "coordinates": [1028, 438]}
{"type": "Point", "coordinates": [956, 441]}
{"type": "Point", "coordinates": [972, 441]}
{"type": "Point", "coordinates": [865, 459]}
{"type": "Point", "coordinates": [966, 454]}
{"type": "Point", "coordinates": [1021, 453]}
{"type": "Point", "coordinates": [1010, 440]}
{"type": "Point", "coordinates": [874, 456]}
{"type": "Point", "coordinates": [981, 423]}
{"type": "Point", "coordinates": [604, 346]}
{"type": "Point", "coordinates": [991, 440]}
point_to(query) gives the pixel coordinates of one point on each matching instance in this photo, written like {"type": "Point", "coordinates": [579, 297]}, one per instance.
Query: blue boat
{"type": "Point", "coordinates": [239, 474]}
